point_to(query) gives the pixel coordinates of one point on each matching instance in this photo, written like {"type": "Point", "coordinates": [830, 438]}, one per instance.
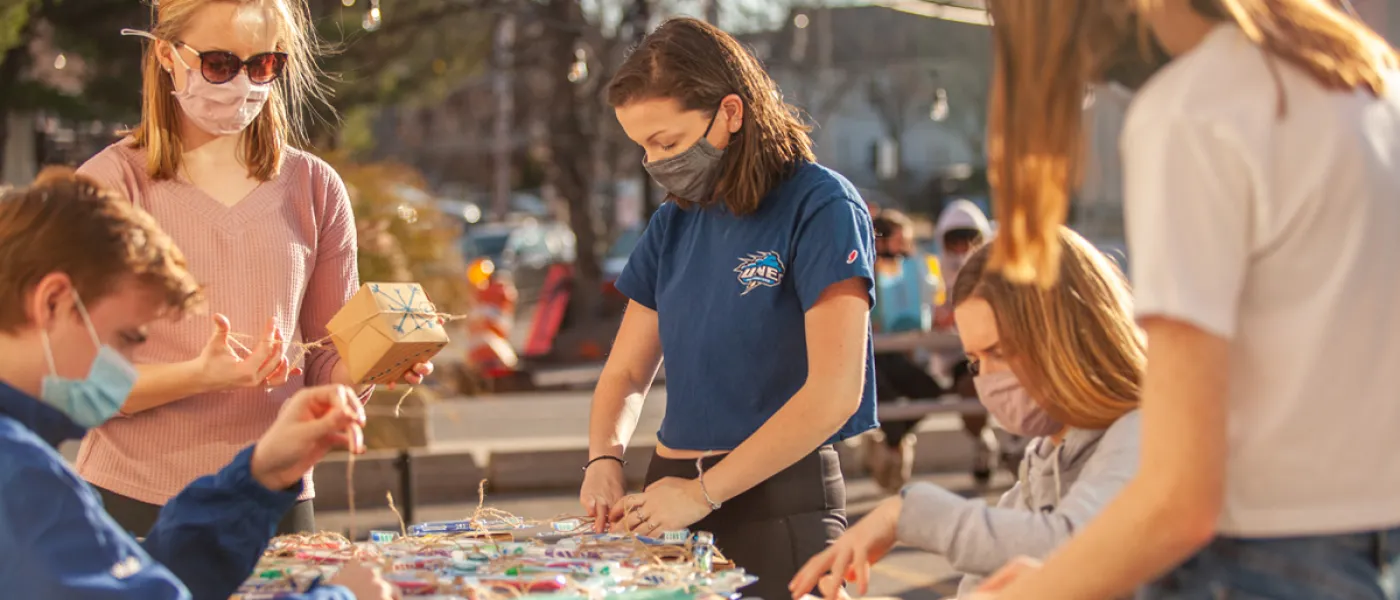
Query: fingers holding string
{"type": "Point", "coordinates": [342, 418]}
{"type": "Point", "coordinates": [273, 360]}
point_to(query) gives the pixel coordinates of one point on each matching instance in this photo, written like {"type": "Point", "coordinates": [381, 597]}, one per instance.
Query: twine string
{"type": "Point", "coordinates": [403, 528]}
{"type": "Point", "coordinates": [350, 489]}
{"type": "Point", "coordinates": [301, 349]}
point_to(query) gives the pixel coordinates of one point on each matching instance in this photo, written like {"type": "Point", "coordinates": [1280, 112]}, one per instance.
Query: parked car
{"type": "Point", "coordinates": [621, 248]}
{"type": "Point", "coordinates": [522, 250]}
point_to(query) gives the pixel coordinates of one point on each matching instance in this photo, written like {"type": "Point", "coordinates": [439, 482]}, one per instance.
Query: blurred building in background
{"type": "Point", "coordinates": [898, 99]}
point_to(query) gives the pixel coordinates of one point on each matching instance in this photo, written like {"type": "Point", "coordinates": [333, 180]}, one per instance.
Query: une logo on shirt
{"type": "Point", "coordinates": [760, 269]}
{"type": "Point", "coordinates": [126, 568]}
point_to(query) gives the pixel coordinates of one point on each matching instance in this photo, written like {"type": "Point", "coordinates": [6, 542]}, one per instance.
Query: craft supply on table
{"type": "Point", "coordinates": [497, 556]}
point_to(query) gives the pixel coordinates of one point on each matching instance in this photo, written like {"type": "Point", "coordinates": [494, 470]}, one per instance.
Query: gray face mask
{"type": "Point", "coordinates": [691, 174]}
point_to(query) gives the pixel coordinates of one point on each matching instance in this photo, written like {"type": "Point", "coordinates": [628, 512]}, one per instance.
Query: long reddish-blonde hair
{"type": "Point", "coordinates": [1048, 52]}
{"type": "Point", "coordinates": [1074, 345]}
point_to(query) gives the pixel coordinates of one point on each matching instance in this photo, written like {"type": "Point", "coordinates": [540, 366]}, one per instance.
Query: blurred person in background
{"type": "Point", "coordinates": [755, 280]}
{"type": "Point", "coordinates": [1061, 366]}
{"type": "Point", "coordinates": [84, 275]}
{"type": "Point", "coordinates": [267, 229]}
{"type": "Point", "coordinates": [904, 290]}
{"type": "Point", "coordinates": [961, 229]}
{"type": "Point", "coordinates": [1262, 150]}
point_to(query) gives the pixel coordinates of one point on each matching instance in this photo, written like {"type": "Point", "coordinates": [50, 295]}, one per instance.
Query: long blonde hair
{"type": "Point", "coordinates": [1047, 53]}
{"type": "Point", "coordinates": [282, 120]}
{"type": "Point", "coordinates": [1073, 345]}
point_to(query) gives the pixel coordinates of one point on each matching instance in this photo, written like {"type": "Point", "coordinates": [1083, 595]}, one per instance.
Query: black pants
{"type": "Point", "coordinates": [776, 527]}
{"type": "Point", "coordinates": [898, 376]}
{"type": "Point", "coordinates": [138, 517]}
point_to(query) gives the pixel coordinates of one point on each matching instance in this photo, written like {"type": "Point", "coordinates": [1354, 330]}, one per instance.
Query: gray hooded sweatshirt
{"type": "Point", "coordinates": [1060, 488]}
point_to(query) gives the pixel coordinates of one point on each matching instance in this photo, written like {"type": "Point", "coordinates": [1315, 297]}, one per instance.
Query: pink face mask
{"type": "Point", "coordinates": [220, 109]}
{"type": "Point", "coordinates": [1012, 405]}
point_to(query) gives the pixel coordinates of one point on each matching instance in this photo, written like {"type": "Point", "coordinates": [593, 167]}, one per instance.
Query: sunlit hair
{"type": "Point", "coordinates": [1074, 345]}
{"type": "Point", "coordinates": [1046, 54]}
{"type": "Point", "coordinates": [281, 122]}
{"type": "Point", "coordinates": [697, 64]}
{"type": "Point", "coordinates": [69, 223]}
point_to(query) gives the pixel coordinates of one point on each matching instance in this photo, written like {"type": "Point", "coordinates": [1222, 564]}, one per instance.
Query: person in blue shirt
{"type": "Point", "coordinates": [754, 280]}
{"type": "Point", "coordinates": [906, 290]}
{"type": "Point", "coordinates": [82, 274]}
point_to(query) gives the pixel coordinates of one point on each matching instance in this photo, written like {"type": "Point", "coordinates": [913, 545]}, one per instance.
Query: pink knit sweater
{"type": "Point", "coordinates": [286, 251]}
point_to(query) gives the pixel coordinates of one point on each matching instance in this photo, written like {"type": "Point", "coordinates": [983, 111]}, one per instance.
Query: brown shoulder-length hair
{"type": "Point", "coordinates": [1047, 53]}
{"type": "Point", "coordinates": [1074, 344]}
{"type": "Point", "coordinates": [697, 64]}
{"type": "Point", "coordinates": [282, 120]}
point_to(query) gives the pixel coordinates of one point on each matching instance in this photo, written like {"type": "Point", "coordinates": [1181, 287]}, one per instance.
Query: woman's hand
{"type": "Point", "coordinates": [849, 559]}
{"type": "Point", "coordinates": [832, 588]}
{"type": "Point", "coordinates": [417, 374]}
{"type": "Point", "coordinates": [225, 363]}
{"type": "Point", "coordinates": [364, 581]}
{"type": "Point", "coordinates": [670, 504]}
{"type": "Point", "coordinates": [603, 486]}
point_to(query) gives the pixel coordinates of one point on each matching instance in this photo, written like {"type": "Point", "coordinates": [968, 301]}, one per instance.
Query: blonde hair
{"type": "Point", "coordinates": [282, 120]}
{"type": "Point", "coordinates": [1074, 345]}
{"type": "Point", "coordinates": [1047, 53]}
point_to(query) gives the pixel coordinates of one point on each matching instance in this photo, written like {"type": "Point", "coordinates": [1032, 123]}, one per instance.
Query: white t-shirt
{"type": "Point", "coordinates": [1282, 236]}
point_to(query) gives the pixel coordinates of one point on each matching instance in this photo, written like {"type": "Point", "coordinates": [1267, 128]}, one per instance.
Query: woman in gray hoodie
{"type": "Point", "coordinates": [1061, 365]}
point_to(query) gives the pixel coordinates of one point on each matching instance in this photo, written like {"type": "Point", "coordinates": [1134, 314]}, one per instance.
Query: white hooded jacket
{"type": "Point", "coordinates": [960, 214]}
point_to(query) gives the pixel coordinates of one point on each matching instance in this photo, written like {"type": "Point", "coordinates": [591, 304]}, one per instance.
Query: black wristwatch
{"type": "Point", "coordinates": [605, 457]}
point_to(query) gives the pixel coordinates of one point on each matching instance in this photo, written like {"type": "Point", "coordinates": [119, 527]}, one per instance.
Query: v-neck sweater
{"type": "Point", "coordinates": [286, 251]}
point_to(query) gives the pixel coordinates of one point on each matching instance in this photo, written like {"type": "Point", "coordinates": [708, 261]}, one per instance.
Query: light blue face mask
{"type": "Point", "coordinates": [92, 401]}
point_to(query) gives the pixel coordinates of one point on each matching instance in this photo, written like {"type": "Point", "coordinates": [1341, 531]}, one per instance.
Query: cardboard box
{"type": "Point", "coordinates": [384, 330]}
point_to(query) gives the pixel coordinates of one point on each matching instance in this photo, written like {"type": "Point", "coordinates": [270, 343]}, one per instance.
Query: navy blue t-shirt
{"type": "Point", "coordinates": [731, 293]}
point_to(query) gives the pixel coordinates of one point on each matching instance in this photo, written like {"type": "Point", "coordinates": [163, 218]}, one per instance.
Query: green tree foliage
{"type": "Point", "coordinates": [420, 48]}
{"type": "Point", "coordinates": [14, 16]}
{"type": "Point", "coordinates": [402, 236]}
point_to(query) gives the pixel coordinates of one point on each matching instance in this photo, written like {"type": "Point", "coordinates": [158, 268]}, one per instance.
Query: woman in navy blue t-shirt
{"type": "Point", "coordinates": [754, 280]}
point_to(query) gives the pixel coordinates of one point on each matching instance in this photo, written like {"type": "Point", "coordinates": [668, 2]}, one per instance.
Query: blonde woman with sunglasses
{"type": "Point", "coordinates": [267, 228]}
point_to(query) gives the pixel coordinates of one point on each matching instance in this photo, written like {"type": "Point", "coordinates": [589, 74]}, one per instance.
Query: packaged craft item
{"type": "Point", "coordinates": [385, 329]}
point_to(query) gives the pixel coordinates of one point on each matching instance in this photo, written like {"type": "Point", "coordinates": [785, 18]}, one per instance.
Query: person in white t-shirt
{"type": "Point", "coordinates": [1262, 194]}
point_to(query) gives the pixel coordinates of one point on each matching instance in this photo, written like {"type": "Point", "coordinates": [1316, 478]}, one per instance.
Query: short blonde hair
{"type": "Point", "coordinates": [1074, 345]}
{"type": "Point", "coordinates": [281, 122]}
